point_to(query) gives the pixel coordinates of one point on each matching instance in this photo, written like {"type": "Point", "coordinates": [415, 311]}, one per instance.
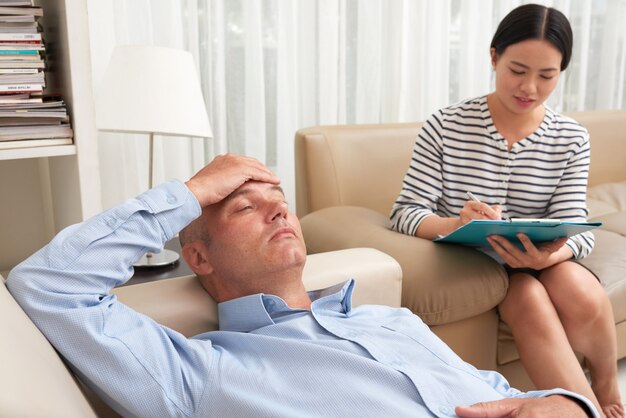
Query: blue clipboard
{"type": "Point", "coordinates": [475, 232]}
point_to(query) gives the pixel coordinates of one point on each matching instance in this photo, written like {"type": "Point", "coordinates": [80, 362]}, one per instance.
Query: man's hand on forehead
{"type": "Point", "coordinates": [225, 174]}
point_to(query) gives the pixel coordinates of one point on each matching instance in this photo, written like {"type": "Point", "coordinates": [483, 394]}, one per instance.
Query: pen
{"type": "Point", "coordinates": [472, 197]}
{"type": "Point", "coordinates": [475, 199]}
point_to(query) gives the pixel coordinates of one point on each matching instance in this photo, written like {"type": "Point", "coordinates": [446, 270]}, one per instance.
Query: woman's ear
{"type": "Point", "coordinates": [196, 255]}
{"type": "Point", "coordinates": [494, 58]}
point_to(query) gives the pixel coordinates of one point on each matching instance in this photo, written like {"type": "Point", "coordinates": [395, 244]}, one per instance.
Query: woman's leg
{"type": "Point", "coordinates": [587, 317]}
{"type": "Point", "coordinates": [541, 341]}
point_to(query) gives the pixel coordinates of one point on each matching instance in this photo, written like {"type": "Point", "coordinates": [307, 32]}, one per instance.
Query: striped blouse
{"type": "Point", "coordinates": [459, 149]}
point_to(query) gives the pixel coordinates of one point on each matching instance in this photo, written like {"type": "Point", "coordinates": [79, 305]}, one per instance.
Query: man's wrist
{"type": "Point", "coordinates": [581, 404]}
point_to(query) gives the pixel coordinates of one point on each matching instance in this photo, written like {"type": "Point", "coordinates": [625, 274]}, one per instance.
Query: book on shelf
{"type": "Point", "coordinates": [21, 88]}
{"type": "Point", "coordinates": [18, 18]}
{"type": "Point", "coordinates": [20, 37]}
{"type": "Point", "coordinates": [28, 118]}
{"type": "Point", "coordinates": [17, 46]}
{"type": "Point", "coordinates": [16, 2]}
{"type": "Point", "coordinates": [22, 11]}
{"type": "Point", "coordinates": [20, 57]}
{"type": "Point", "coordinates": [22, 64]}
{"type": "Point", "coordinates": [18, 51]}
{"type": "Point", "coordinates": [36, 78]}
{"type": "Point", "coordinates": [19, 27]}
{"type": "Point", "coordinates": [29, 143]}
{"type": "Point", "coordinates": [20, 98]}
{"type": "Point", "coordinates": [33, 104]}
{"type": "Point", "coordinates": [17, 133]}
{"type": "Point", "coordinates": [19, 70]}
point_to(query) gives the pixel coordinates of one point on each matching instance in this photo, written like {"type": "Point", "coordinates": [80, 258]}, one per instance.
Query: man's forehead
{"type": "Point", "coordinates": [253, 187]}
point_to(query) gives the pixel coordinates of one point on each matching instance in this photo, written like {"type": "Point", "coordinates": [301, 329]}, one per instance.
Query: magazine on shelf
{"type": "Point", "coordinates": [27, 117]}
{"type": "Point", "coordinates": [22, 64]}
{"type": "Point", "coordinates": [29, 143]}
{"type": "Point", "coordinates": [21, 11]}
{"type": "Point", "coordinates": [17, 133]}
{"type": "Point", "coordinates": [21, 88]}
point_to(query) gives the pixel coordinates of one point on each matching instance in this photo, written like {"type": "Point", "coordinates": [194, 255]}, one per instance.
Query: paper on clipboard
{"type": "Point", "coordinates": [475, 232]}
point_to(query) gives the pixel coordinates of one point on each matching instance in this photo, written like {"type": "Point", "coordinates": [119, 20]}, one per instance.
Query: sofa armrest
{"type": "Point", "coordinates": [442, 283]}
{"type": "Point", "coordinates": [33, 379]}
{"type": "Point", "coordinates": [378, 276]}
{"type": "Point", "coordinates": [182, 304]}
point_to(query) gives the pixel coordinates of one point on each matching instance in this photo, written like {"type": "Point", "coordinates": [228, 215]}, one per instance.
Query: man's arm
{"type": "Point", "coordinates": [139, 366]}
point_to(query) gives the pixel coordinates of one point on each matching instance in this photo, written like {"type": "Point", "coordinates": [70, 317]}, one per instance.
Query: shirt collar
{"type": "Point", "coordinates": [248, 313]}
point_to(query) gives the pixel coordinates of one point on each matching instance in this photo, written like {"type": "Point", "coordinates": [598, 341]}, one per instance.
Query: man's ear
{"type": "Point", "coordinates": [196, 255]}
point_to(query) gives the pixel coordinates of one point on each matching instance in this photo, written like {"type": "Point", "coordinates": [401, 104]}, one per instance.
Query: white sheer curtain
{"type": "Point", "coordinates": [269, 67]}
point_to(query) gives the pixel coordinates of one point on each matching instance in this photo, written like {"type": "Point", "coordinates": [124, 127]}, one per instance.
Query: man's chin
{"type": "Point", "coordinates": [293, 257]}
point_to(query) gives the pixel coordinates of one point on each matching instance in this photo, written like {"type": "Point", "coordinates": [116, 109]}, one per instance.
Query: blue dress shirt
{"type": "Point", "coordinates": [266, 359]}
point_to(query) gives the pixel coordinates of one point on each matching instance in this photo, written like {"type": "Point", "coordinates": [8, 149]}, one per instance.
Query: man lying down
{"type": "Point", "coordinates": [279, 351]}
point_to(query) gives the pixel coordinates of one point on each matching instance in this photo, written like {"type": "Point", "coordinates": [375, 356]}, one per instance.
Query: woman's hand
{"type": "Point", "coordinates": [534, 257]}
{"type": "Point", "coordinates": [479, 210]}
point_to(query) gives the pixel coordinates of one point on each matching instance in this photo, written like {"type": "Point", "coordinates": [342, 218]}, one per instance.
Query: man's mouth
{"type": "Point", "coordinates": [282, 233]}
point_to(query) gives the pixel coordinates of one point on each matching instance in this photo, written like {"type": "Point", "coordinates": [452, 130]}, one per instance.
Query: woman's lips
{"type": "Point", "coordinates": [524, 101]}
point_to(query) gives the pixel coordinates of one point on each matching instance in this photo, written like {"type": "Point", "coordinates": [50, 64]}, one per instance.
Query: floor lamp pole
{"type": "Point", "coordinates": [165, 257]}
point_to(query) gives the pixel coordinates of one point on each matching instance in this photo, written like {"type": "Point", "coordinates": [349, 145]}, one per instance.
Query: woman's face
{"type": "Point", "coordinates": [526, 74]}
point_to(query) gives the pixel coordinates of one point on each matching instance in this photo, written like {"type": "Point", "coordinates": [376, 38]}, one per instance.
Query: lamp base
{"type": "Point", "coordinates": [164, 258]}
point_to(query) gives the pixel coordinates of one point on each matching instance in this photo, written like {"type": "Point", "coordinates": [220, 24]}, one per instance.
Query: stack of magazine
{"type": "Point", "coordinates": [28, 118]}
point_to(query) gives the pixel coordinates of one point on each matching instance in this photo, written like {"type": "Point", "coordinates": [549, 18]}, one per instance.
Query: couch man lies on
{"type": "Point", "coordinates": [347, 178]}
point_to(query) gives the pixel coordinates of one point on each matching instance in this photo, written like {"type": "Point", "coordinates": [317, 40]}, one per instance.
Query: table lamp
{"type": "Point", "coordinates": [152, 90]}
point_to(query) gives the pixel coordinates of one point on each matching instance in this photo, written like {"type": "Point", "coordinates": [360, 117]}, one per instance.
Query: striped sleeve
{"type": "Point", "coordinates": [422, 184]}
{"type": "Point", "coordinates": [568, 202]}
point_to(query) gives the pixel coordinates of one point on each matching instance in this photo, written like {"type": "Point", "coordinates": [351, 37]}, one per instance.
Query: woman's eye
{"type": "Point", "coordinates": [546, 77]}
{"type": "Point", "coordinates": [517, 72]}
{"type": "Point", "coordinates": [244, 208]}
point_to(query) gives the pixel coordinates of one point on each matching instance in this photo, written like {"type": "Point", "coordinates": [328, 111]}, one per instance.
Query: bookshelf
{"type": "Point", "coordinates": [44, 189]}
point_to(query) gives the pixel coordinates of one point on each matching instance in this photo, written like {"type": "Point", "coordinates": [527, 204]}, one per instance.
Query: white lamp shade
{"type": "Point", "coordinates": [152, 90]}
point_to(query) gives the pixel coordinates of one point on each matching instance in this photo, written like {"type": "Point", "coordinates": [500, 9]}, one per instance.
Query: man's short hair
{"type": "Point", "coordinates": [195, 231]}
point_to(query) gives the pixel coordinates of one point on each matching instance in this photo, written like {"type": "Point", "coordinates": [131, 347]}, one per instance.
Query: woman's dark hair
{"type": "Point", "coordinates": [533, 21]}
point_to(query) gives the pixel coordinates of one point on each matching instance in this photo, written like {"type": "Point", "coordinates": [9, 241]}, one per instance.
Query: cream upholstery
{"type": "Point", "coordinates": [34, 382]}
{"type": "Point", "coordinates": [347, 178]}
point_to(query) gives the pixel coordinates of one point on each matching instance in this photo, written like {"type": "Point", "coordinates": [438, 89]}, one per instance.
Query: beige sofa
{"type": "Point", "coordinates": [34, 381]}
{"type": "Point", "coordinates": [347, 178]}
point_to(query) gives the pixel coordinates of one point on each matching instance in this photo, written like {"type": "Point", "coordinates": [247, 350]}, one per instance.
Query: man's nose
{"type": "Point", "coordinates": [278, 210]}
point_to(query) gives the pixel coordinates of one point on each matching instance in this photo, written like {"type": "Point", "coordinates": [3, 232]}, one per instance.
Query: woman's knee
{"type": "Point", "coordinates": [574, 291]}
{"type": "Point", "coordinates": [526, 298]}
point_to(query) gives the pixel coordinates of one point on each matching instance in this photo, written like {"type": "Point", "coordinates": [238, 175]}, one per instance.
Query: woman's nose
{"type": "Point", "coordinates": [528, 86]}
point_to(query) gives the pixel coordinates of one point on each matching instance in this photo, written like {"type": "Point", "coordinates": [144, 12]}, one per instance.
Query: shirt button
{"type": "Point", "coordinates": [110, 222]}
{"type": "Point", "coordinates": [171, 199]}
{"type": "Point", "coordinates": [446, 410]}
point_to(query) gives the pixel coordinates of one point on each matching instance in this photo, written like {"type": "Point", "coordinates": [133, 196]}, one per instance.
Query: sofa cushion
{"type": "Point", "coordinates": [598, 208]}
{"type": "Point", "coordinates": [613, 194]}
{"type": "Point", "coordinates": [614, 222]}
{"type": "Point", "coordinates": [608, 262]}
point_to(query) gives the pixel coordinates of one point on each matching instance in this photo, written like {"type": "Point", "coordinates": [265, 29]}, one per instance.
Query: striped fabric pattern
{"type": "Point", "coordinates": [459, 149]}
